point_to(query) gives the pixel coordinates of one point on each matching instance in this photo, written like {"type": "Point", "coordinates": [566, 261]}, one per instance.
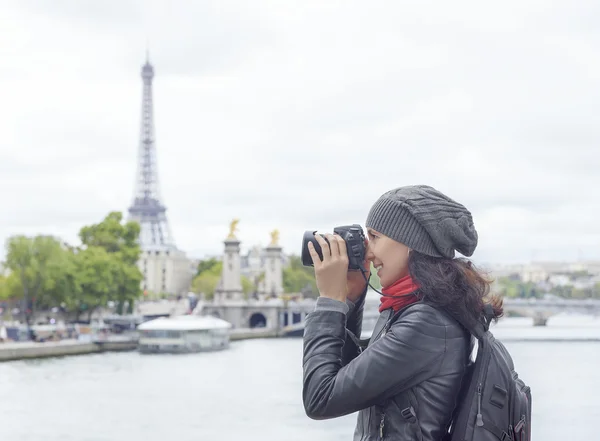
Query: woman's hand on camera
{"type": "Point", "coordinates": [356, 281]}
{"type": "Point", "coordinates": [331, 273]}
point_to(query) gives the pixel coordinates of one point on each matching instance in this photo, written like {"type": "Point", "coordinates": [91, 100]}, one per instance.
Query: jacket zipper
{"type": "Point", "coordinates": [381, 426]}
{"type": "Point", "coordinates": [479, 420]}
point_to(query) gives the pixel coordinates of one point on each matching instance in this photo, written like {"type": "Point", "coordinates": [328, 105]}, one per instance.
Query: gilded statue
{"type": "Point", "coordinates": [274, 237]}
{"type": "Point", "coordinates": [233, 229]}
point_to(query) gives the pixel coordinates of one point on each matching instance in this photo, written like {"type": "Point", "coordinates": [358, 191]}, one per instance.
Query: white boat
{"type": "Point", "coordinates": [183, 334]}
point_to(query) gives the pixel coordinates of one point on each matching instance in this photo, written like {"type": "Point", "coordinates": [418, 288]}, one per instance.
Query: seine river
{"type": "Point", "coordinates": [253, 391]}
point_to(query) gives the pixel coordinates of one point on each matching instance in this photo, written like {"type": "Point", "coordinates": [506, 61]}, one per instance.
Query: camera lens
{"type": "Point", "coordinates": [355, 244]}
{"type": "Point", "coordinates": [309, 236]}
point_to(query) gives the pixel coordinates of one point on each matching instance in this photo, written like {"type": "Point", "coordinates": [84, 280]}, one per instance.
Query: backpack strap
{"type": "Point", "coordinates": [358, 342]}
{"type": "Point", "coordinates": [480, 328]}
{"type": "Point", "coordinates": [488, 315]}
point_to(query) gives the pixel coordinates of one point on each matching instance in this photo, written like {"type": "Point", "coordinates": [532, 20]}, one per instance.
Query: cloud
{"type": "Point", "coordinates": [298, 115]}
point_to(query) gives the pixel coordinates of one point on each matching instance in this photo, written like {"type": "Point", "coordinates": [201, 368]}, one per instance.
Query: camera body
{"type": "Point", "coordinates": [354, 237]}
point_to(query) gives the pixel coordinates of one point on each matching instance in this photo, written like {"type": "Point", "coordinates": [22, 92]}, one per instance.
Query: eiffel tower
{"type": "Point", "coordinates": [147, 208]}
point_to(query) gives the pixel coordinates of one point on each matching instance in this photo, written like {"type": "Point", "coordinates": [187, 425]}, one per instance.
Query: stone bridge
{"type": "Point", "coordinates": [270, 313]}
{"type": "Point", "coordinates": [277, 314]}
{"type": "Point", "coordinates": [538, 309]}
{"type": "Point", "coordinates": [542, 309]}
{"type": "Point", "coordinates": [288, 316]}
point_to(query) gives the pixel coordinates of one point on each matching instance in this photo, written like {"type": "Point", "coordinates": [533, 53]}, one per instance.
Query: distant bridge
{"type": "Point", "coordinates": [542, 309]}
{"type": "Point", "coordinates": [538, 309]}
{"type": "Point", "coordinates": [289, 316]}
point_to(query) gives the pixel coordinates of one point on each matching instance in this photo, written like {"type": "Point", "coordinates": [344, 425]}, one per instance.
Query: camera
{"type": "Point", "coordinates": [354, 237]}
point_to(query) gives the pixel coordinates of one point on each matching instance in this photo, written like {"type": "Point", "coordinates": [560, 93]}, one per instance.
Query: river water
{"type": "Point", "coordinates": [252, 391]}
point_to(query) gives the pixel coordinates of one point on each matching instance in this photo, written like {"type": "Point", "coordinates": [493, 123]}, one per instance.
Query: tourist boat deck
{"type": "Point", "coordinates": [184, 334]}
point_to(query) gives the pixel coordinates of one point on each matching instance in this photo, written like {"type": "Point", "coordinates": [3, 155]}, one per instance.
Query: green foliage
{"type": "Point", "coordinates": [207, 265]}
{"type": "Point", "coordinates": [45, 273]}
{"type": "Point", "coordinates": [206, 284]}
{"type": "Point", "coordinates": [114, 236]}
{"type": "Point", "coordinates": [247, 285]}
{"type": "Point", "coordinates": [207, 278]}
{"type": "Point", "coordinates": [509, 287]}
{"type": "Point", "coordinates": [4, 288]}
{"type": "Point", "coordinates": [299, 278]}
{"type": "Point", "coordinates": [212, 266]}
{"type": "Point", "coordinates": [34, 261]}
{"type": "Point", "coordinates": [570, 292]}
{"type": "Point", "coordinates": [12, 287]}
{"type": "Point", "coordinates": [97, 279]}
{"type": "Point", "coordinates": [65, 285]}
{"type": "Point", "coordinates": [514, 288]}
{"type": "Point", "coordinates": [112, 250]}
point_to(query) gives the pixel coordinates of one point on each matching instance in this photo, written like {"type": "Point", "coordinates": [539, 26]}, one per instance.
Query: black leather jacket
{"type": "Point", "coordinates": [404, 384]}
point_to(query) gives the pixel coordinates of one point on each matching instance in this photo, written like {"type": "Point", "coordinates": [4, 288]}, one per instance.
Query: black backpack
{"type": "Point", "coordinates": [494, 403]}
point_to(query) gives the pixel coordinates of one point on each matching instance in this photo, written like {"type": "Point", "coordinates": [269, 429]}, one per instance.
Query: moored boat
{"type": "Point", "coordinates": [183, 334]}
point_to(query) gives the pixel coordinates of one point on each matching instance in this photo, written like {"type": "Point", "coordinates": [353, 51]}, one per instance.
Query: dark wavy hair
{"type": "Point", "coordinates": [454, 285]}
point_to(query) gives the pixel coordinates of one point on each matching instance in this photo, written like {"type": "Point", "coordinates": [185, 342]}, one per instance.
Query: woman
{"type": "Point", "coordinates": [405, 384]}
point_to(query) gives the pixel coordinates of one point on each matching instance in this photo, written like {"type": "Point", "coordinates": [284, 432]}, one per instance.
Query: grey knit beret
{"type": "Point", "coordinates": [425, 220]}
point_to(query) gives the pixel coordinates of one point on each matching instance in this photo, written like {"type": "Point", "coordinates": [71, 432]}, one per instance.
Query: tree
{"type": "Point", "coordinates": [10, 287]}
{"type": "Point", "coordinates": [247, 285]}
{"type": "Point", "coordinates": [206, 265]}
{"type": "Point", "coordinates": [207, 279]}
{"type": "Point", "coordinates": [5, 293]}
{"type": "Point", "coordinates": [513, 288]}
{"type": "Point", "coordinates": [65, 289]}
{"type": "Point", "coordinates": [34, 261]}
{"type": "Point", "coordinates": [120, 241]}
{"type": "Point", "coordinates": [98, 273]}
{"type": "Point", "coordinates": [297, 277]}
{"type": "Point", "coordinates": [209, 275]}
{"type": "Point", "coordinates": [114, 236]}
{"type": "Point", "coordinates": [206, 283]}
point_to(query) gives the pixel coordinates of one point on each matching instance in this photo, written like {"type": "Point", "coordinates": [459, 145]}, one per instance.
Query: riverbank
{"type": "Point", "coordinates": [250, 333]}
{"type": "Point", "coordinates": [33, 350]}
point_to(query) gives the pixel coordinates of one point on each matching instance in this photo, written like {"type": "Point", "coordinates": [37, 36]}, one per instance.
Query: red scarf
{"type": "Point", "coordinates": [401, 290]}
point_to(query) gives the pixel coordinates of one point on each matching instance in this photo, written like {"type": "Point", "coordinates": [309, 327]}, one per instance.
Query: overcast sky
{"type": "Point", "coordinates": [298, 114]}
